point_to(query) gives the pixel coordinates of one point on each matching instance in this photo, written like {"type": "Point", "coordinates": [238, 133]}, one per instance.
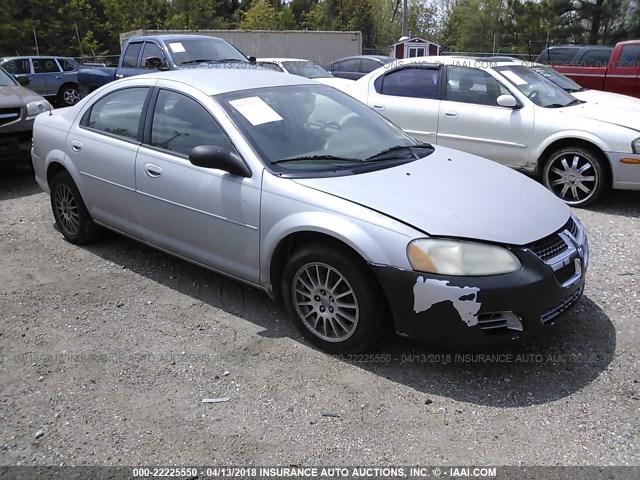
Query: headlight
{"type": "Point", "coordinates": [37, 106]}
{"type": "Point", "coordinates": [454, 257]}
{"type": "Point", "coordinates": [635, 145]}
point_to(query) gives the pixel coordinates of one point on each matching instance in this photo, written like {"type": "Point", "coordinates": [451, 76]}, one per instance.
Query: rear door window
{"type": "Point", "coordinates": [595, 58]}
{"type": "Point", "coordinates": [45, 65]}
{"type": "Point", "coordinates": [130, 59]}
{"type": "Point", "coordinates": [118, 113]}
{"type": "Point", "coordinates": [416, 82]}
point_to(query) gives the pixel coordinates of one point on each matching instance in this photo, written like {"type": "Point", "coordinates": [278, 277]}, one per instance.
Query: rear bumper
{"type": "Point", "coordinates": [485, 310]}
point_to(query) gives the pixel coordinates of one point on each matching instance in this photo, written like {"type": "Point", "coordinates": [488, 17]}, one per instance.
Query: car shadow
{"type": "Point", "coordinates": [17, 181]}
{"type": "Point", "coordinates": [542, 370]}
{"type": "Point", "coordinates": [625, 203]}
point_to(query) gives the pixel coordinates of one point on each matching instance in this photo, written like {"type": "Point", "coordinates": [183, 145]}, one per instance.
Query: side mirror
{"type": "Point", "coordinates": [252, 60]}
{"type": "Point", "coordinates": [155, 63]}
{"type": "Point", "coordinates": [507, 101]}
{"type": "Point", "coordinates": [213, 156]}
{"type": "Point", "coordinates": [24, 81]}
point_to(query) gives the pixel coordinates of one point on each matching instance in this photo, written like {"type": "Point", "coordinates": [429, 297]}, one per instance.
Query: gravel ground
{"type": "Point", "coordinates": [108, 350]}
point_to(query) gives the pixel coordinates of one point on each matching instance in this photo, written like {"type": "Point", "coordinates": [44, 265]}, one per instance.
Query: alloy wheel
{"type": "Point", "coordinates": [572, 177]}
{"type": "Point", "coordinates": [325, 302]}
{"type": "Point", "coordinates": [67, 210]}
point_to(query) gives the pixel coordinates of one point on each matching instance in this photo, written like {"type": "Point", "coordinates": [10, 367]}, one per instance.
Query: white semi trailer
{"type": "Point", "coordinates": [318, 46]}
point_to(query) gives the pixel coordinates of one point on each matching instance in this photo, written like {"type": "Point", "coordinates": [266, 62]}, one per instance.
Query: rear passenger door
{"type": "Point", "coordinates": [472, 121]}
{"type": "Point", "coordinates": [409, 97]}
{"type": "Point", "coordinates": [206, 215]}
{"type": "Point", "coordinates": [103, 149]}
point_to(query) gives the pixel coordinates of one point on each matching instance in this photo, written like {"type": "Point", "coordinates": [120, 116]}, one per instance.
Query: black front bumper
{"type": "Point", "coordinates": [483, 310]}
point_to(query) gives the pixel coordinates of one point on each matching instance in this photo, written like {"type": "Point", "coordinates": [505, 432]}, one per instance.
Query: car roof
{"type": "Point", "coordinates": [18, 57]}
{"type": "Point", "coordinates": [282, 59]}
{"type": "Point", "coordinates": [215, 81]}
{"type": "Point", "coordinates": [453, 60]}
{"type": "Point", "coordinates": [171, 37]}
{"type": "Point", "coordinates": [356, 57]}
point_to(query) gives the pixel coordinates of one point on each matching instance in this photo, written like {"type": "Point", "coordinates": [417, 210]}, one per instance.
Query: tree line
{"type": "Point", "coordinates": [92, 27]}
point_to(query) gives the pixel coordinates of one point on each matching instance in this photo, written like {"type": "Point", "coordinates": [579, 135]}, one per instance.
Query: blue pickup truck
{"type": "Point", "coordinates": [163, 52]}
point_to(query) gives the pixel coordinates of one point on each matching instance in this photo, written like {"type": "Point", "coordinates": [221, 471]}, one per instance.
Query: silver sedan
{"type": "Point", "coordinates": [298, 189]}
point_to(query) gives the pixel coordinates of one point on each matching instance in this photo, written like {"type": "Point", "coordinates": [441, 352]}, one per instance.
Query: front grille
{"type": "Point", "coordinates": [553, 245]}
{"type": "Point", "coordinates": [8, 115]}
{"type": "Point", "coordinates": [563, 307]}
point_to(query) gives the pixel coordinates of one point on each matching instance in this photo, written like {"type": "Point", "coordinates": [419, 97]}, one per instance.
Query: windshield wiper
{"type": "Point", "coordinates": [560, 105]}
{"type": "Point", "coordinates": [317, 157]}
{"type": "Point", "coordinates": [200, 60]}
{"type": "Point", "coordinates": [229, 60]}
{"type": "Point", "coordinates": [384, 154]}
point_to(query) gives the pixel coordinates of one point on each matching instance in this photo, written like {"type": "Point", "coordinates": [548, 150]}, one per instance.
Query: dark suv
{"type": "Point", "coordinates": [18, 109]}
{"type": "Point", "coordinates": [53, 77]}
{"type": "Point", "coordinates": [358, 66]}
{"type": "Point", "coordinates": [576, 55]}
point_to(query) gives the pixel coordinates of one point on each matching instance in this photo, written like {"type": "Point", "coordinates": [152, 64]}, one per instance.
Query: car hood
{"type": "Point", "coordinates": [608, 99]}
{"type": "Point", "coordinates": [455, 194]}
{"type": "Point", "coordinates": [16, 96]}
{"type": "Point", "coordinates": [613, 114]}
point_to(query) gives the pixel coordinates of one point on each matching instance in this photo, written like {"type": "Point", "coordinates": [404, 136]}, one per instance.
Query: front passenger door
{"type": "Point", "coordinates": [472, 121]}
{"type": "Point", "coordinates": [206, 215]}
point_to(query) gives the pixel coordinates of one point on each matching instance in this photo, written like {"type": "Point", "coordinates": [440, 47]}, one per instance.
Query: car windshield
{"type": "Point", "coordinates": [305, 68]}
{"type": "Point", "coordinates": [316, 128]}
{"type": "Point", "coordinates": [6, 80]}
{"type": "Point", "coordinates": [539, 89]}
{"type": "Point", "coordinates": [559, 79]}
{"type": "Point", "coordinates": [197, 50]}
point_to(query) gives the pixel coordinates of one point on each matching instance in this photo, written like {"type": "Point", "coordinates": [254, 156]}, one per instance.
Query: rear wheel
{"type": "Point", "coordinates": [575, 175]}
{"type": "Point", "coordinates": [70, 212]}
{"type": "Point", "coordinates": [68, 95]}
{"type": "Point", "coordinates": [333, 299]}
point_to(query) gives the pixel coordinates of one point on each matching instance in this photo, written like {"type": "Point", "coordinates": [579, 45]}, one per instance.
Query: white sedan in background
{"type": "Point", "coordinates": [303, 68]}
{"type": "Point", "coordinates": [509, 113]}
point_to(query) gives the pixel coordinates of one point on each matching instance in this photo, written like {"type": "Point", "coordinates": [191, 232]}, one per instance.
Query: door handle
{"type": "Point", "coordinates": [58, 76]}
{"type": "Point", "coordinates": [119, 75]}
{"type": "Point", "coordinates": [378, 107]}
{"type": "Point", "coordinates": [76, 146]}
{"type": "Point", "coordinates": [152, 170]}
{"type": "Point", "coordinates": [451, 114]}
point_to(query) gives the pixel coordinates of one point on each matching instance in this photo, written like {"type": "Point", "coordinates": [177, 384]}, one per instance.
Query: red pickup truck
{"type": "Point", "coordinates": [614, 69]}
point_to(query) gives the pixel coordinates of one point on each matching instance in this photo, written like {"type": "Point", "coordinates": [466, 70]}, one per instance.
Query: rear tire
{"type": "Point", "coordinates": [575, 175]}
{"type": "Point", "coordinates": [71, 214]}
{"type": "Point", "coordinates": [68, 95]}
{"type": "Point", "coordinates": [333, 299]}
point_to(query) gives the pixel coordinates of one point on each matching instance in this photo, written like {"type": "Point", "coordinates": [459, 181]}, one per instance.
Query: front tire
{"type": "Point", "coordinates": [575, 175]}
{"type": "Point", "coordinates": [333, 299]}
{"type": "Point", "coordinates": [71, 214]}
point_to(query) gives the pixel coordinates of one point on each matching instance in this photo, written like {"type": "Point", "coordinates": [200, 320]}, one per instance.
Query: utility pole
{"type": "Point", "coordinates": [405, 18]}
{"type": "Point", "coordinates": [35, 37]}
{"type": "Point", "coordinates": [78, 37]}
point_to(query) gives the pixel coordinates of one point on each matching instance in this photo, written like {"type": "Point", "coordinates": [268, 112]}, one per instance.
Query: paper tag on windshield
{"type": "Point", "coordinates": [177, 47]}
{"type": "Point", "coordinates": [514, 77]}
{"type": "Point", "coordinates": [255, 110]}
